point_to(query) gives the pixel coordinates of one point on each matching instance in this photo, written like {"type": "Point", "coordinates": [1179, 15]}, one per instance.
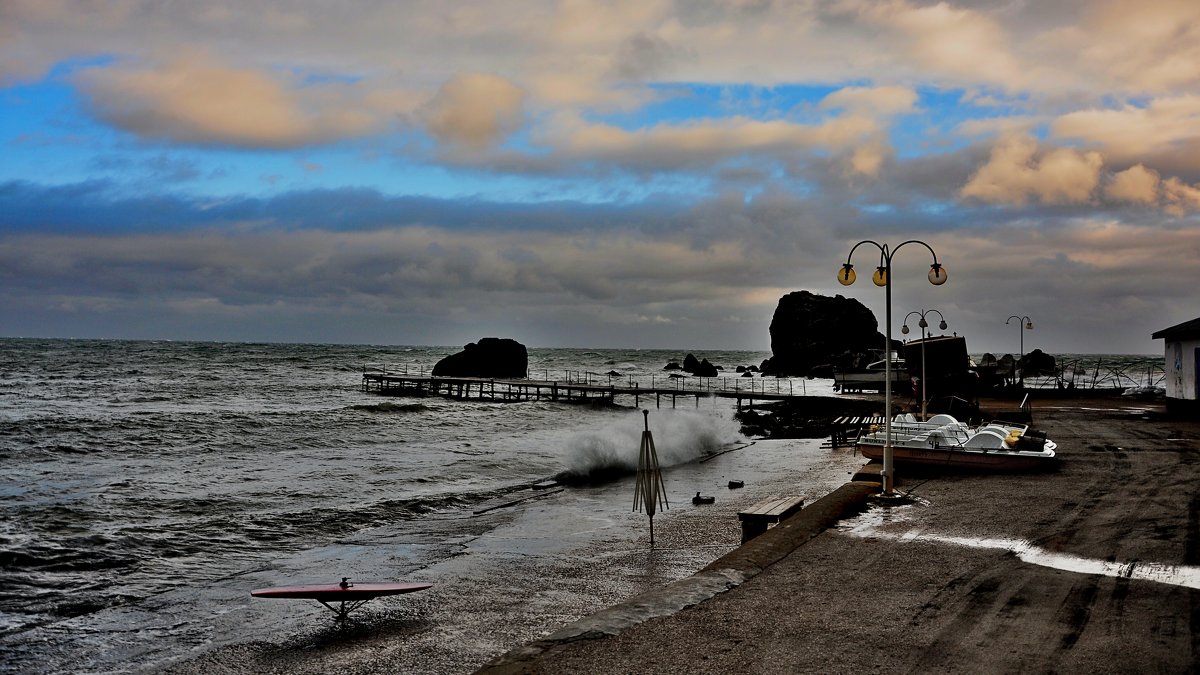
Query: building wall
{"type": "Point", "coordinates": [1181, 369]}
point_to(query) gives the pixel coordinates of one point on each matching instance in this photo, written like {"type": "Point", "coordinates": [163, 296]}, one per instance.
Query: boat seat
{"type": "Point", "coordinates": [986, 438]}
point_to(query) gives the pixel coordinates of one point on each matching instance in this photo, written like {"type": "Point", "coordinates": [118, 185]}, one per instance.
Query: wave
{"type": "Point", "coordinates": [141, 399]}
{"type": "Point", "coordinates": [679, 437]}
{"type": "Point", "coordinates": [77, 554]}
{"type": "Point", "coordinates": [388, 407]}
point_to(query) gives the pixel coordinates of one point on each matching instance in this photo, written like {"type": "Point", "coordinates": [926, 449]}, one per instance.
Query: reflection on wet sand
{"type": "Point", "coordinates": [880, 523]}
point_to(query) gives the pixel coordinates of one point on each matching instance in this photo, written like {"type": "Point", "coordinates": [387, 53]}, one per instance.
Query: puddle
{"type": "Point", "coordinates": [875, 524]}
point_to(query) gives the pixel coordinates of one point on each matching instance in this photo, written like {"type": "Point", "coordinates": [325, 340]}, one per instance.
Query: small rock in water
{"type": "Point", "coordinates": [735, 484]}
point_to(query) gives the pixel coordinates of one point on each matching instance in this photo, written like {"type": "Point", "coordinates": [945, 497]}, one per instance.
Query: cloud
{"type": "Point", "coordinates": [1168, 126]}
{"type": "Point", "coordinates": [1014, 174]}
{"type": "Point", "coordinates": [998, 126]}
{"type": "Point", "coordinates": [1136, 185]}
{"type": "Point", "coordinates": [572, 269]}
{"type": "Point", "coordinates": [475, 110]}
{"type": "Point", "coordinates": [867, 159]}
{"type": "Point", "coordinates": [1179, 197]}
{"type": "Point", "coordinates": [704, 142]}
{"type": "Point", "coordinates": [1144, 187]}
{"type": "Point", "coordinates": [722, 148]}
{"type": "Point", "coordinates": [963, 44]}
{"type": "Point", "coordinates": [881, 102]}
{"type": "Point", "coordinates": [887, 100]}
{"type": "Point", "coordinates": [193, 99]}
{"type": "Point", "coordinates": [1150, 46]}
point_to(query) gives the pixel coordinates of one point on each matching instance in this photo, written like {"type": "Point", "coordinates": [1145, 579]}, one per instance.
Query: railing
{"type": "Point", "coordinates": [1086, 374]}
{"type": "Point", "coordinates": [682, 384]}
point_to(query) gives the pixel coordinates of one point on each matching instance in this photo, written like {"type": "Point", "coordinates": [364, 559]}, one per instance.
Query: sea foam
{"type": "Point", "coordinates": [679, 436]}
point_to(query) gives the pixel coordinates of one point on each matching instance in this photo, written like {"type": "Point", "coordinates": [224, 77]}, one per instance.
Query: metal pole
{"type": "Point", "coordinates": [887, 473]}
{"type": "Point", "coordinates": [924, 396]}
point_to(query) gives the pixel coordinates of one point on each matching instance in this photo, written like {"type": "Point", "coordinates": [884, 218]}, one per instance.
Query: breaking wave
{"type": "Point", "coordinates": [679, 437]}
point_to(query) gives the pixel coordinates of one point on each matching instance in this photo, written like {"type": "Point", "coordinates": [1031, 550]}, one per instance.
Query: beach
{"type": "Point", "coordinates": [1092, 568]}
{"type": "Point", "coordinates": [524, 574]}
{"type": "Point", "coordinates": [152, 486]}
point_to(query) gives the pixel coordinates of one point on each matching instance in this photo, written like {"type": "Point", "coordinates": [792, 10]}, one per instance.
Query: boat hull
{"type": "Point", "coordinates": [963, 458]}
{"type": "Point", "coordinates": [871, 381]}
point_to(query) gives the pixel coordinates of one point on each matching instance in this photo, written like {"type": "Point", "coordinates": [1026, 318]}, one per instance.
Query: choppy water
{"type": "Point", "coordinates": [137, 472]}
{"type": "Point", "coordinates": [132, 469]}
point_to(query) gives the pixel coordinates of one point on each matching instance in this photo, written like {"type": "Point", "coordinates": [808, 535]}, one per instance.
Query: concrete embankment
{"type": "Point", "coordinates": [721, 575]}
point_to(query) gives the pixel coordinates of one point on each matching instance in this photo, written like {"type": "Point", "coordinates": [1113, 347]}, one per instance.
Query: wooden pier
{"type": "Point", "coordinates": [485, 389]}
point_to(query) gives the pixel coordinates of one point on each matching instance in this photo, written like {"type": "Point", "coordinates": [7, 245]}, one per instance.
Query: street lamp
{"type": "Point", "coordinates": [883, 277]}
{"type": "Point", "coordinates": [1024, 323]}
{"type": "Point", "coordinates": [923, 324]}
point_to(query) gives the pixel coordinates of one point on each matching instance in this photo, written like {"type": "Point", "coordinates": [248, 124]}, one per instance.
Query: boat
{"type": "Point", "coordinates": [944, 441]}
{"type": "Point", "coordinates": [874, 378]}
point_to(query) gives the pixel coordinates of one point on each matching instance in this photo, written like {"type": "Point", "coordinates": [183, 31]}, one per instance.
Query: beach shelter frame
{"type": "Point", "coordinates": [649, 493]}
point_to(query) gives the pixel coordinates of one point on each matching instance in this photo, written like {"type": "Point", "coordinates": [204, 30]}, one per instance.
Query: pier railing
{"type": "Point", "coordinates": [781, 386]}
{"type": "Point", "coordinates": [576, 385]}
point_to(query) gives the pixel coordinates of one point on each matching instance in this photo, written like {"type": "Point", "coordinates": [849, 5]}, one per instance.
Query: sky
{"type": "Point", "coordinates": [639, 173]}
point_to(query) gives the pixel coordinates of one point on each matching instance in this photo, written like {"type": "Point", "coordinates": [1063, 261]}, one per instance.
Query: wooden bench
{"type": "Point", "coordinates": [757, 518]}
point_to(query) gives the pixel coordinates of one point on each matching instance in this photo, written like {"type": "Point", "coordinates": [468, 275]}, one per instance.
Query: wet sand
{"type": "Point", "coordinates": [963, 579]}
{"type": "Point", "coordinates": [511, 575]}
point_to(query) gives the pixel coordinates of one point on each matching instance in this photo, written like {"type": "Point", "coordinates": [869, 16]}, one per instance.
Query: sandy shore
{"type": "Point", "coordinates": [1088, 569]}
{"type": "Point", "coordinates": [510, 575]}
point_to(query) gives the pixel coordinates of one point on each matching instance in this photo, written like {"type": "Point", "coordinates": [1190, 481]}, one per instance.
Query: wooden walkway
{"type": "Point", "coordinates": [486, 389]}
{"type": "Point", "coordinates": [843, 428]}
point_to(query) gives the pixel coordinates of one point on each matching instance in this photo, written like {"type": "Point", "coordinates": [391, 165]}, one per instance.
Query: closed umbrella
{"type": "Point", "coordinates": [649, 493]}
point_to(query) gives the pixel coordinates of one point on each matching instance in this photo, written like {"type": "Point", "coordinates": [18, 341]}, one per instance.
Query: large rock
{"type": "Point", "coordinates": [810, 333]}
{"type": "Point", "coordinates": [490, 357]}
{"type": "Point", "coordinates": [1037, 363]}
{"type": "Point", "coordinates": [705, 369]}
{"type": "Point", "coordinates": [699, 368]}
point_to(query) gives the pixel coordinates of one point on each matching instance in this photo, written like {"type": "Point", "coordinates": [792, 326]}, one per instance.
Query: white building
{"type": "Point", "coordinates": [1183, 364]}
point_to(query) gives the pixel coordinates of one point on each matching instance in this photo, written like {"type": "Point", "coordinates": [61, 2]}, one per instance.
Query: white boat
{"type": "Point", "coordinates": [944, 441]}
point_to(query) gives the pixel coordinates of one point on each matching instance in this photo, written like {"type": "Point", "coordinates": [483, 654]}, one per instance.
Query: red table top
{"type": "Point", "coordinates": [337, 592]}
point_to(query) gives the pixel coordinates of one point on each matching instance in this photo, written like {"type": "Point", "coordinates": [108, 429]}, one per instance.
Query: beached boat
{"type": "Point", "coordinates": [873, 378]}
{"type": "Point", "coordinates": [944, 441]}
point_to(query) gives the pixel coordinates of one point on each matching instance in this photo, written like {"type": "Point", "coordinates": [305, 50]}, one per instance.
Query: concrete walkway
{"type": "Point", "coordinates": [1090, 568]}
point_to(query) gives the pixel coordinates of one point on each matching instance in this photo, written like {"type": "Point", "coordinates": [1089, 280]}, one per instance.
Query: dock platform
{"type": "Point", "coordinates": [520, 389]}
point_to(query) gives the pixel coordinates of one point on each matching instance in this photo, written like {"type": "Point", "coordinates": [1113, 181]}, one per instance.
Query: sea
{"type": "Point", "coordinates": [148, 486]}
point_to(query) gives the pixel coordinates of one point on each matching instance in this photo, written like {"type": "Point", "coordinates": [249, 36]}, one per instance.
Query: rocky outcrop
{"type": "Point", "coordinates": [810, 333]}
{"type": "Point", "coordinates": [693, 366]}
{"type": "Point", "coordinates": [490, 357]}
{"type": "Point", "coordinates": [1037, 363]}
{"type": "Point", "coordinates": [704, 369]}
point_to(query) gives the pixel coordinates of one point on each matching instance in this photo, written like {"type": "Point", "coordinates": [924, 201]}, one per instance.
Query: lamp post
{"type": "Point", "coordinates": [923, 324]}
{"type": "Point", "coordinates": [883, 277]}
{"type": "Point", "coordinates": [1024, 323]}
